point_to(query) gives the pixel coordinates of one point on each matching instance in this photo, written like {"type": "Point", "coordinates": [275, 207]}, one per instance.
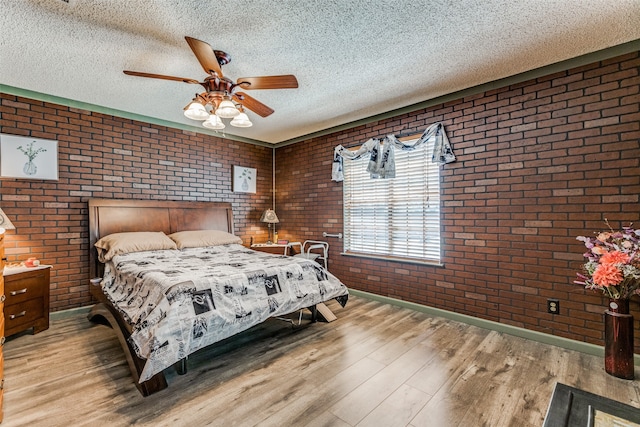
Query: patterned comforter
{"type": "Point", "coordinates": [179, 301]}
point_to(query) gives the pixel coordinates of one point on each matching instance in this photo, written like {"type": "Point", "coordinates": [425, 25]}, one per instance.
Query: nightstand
{"type": "Point", "coordinates": [27, 299]}
{"type": "Point", "coordinates": [273, 248]}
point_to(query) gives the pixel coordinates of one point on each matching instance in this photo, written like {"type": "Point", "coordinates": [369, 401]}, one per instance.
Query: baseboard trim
{"type": "Point", "coordinates": [63, 314]}
{"type": "Point", "coordinates": [541, 337]}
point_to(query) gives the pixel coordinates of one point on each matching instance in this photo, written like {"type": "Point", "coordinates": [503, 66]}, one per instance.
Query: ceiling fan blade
{"type": "Point", "coordinates": [205, 56]}
{"type": "Point", "coordinates": [160, 76]}
{"type": "Point", "coordinates": [252, 104]}
{"type": "Point", "coordinates": [287, 81]}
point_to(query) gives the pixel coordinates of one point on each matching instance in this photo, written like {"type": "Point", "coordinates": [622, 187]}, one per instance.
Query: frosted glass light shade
{"type": "Point", "coordinates": [227, 110]}
{"type": "Point", "coordinates": [213, 122]}
{"type": "Point", "coordinates": [241, 121]}
{"type": "Point", "coordinates": [196, 111]}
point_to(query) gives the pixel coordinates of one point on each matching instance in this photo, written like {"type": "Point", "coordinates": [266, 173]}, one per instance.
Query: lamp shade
{"type": "Point", "coordinates": [5, 222]}
{"type": "Point", "coordinates": [269, 216]}
{"type": "Point", "coordinates": [213, 122]}
{"type": "Point", "coordinates": [196, 111]}
{"type": "Point", "coordinates": [241, 121]}
{"type": "Point", "coordinates": [227, 110]}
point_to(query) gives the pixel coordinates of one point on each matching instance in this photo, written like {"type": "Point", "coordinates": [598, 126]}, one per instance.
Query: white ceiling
{"type": "Point", "coordinates": [353, 58]}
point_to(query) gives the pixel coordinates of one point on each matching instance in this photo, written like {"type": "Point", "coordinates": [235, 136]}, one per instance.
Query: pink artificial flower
{"type": "Point", "coordinates": [603, 237]}
{"type": "Point", "coordinates": [615, 257]}
{"type": "Point", "coordinates": [599, 250]}
{"type": "Point", "coordinates": [607, 275]}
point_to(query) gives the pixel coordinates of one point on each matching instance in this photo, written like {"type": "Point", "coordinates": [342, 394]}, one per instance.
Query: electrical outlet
{"type": "Point", "coordinates": [553, 306]}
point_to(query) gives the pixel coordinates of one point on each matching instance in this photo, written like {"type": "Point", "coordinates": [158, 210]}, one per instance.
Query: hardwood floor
{"type": "Point", "coordinates": [377, 365]}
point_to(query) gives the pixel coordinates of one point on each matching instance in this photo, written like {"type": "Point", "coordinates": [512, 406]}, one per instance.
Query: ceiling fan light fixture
{"type": "Point", "coordinates": [218, 99]}
{"type": "Point", "coordinates": [196, 111]}
{"type": "Point", "coordinates": [241, 121]}
{"type": "Point", "coordinates": [213, 122]}
{"type": "Point", "coordinates": [226, 109]}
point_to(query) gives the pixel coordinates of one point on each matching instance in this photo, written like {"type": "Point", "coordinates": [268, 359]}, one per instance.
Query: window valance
{"type": "Point", "coordinates": [382, 158]}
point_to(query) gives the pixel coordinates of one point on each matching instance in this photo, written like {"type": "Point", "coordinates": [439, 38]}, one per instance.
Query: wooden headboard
{"type": "Point", "coordinates": [107, 216]}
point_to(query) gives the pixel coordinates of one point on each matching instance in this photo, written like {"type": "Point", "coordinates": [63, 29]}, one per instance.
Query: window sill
{"type": "Point", "coordinates": [393, 259]}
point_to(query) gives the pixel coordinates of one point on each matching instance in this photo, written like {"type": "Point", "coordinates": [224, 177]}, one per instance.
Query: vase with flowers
{"type": "Point", "coordinates": [613, 268]}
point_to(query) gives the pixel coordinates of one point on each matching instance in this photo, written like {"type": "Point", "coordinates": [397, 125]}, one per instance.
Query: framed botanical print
{"type": "Point", "coordinates": [244, 179]}
{"type": "Point", "coordinates": [28, 158]}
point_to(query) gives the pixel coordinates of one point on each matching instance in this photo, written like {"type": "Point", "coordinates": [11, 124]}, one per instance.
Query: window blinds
{"type": "Point", "coordinates": [397, 217]}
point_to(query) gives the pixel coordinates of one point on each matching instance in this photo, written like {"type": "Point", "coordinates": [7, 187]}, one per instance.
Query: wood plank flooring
{"type": "Point", "coordinates": [377, 365]}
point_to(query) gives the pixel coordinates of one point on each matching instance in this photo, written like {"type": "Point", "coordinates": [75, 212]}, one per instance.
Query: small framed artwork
{"type": "Point", "coordinates": [28, 158]}
{"type": "Point", "coordinates": [244, 179]}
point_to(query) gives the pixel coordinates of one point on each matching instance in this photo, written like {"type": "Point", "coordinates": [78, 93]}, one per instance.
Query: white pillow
{"type": "Point", "coordinates": [203, 238]}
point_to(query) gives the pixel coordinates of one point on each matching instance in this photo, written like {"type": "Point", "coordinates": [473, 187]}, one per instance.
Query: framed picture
{"type": "Point", "coordinates": [244, 179]}
{"type": "Point", "coordinates": [28, 158]}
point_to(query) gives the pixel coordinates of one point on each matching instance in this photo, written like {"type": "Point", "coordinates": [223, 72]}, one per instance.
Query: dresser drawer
{"type": "Point", "coordinates": [19, 315]}
{"type": "Point", "coordinates": [25, 287]}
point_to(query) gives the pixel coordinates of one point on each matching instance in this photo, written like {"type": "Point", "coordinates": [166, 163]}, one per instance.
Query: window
{"type": "Point", "coordinates": [399, 217]}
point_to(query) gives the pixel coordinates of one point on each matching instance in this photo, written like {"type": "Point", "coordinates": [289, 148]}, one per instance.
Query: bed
{"type": "Point", "coordinates": [170, 277]}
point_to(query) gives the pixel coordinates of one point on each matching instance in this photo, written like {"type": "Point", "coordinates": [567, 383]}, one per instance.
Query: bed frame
{"type": "Point", "coordinates": [107, 216]}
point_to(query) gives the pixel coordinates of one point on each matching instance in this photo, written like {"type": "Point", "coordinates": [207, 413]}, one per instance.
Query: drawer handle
{"type": "Point", "coordinates": [2, 340]}
{"type": "Point", "coordinates": [2, 298]}
{"type": "Point", "coordinates": [22, 313]}
{"type": "Point", "coordinates": [21, 291]}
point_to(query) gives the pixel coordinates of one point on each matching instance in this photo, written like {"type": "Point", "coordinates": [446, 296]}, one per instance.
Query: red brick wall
{"type": "Point", "coordinates": [110, 157]}
{"type": "Point", "coordinates": [539, 163]}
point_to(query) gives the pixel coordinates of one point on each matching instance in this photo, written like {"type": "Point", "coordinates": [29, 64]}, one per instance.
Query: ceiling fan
{"type": "Point", "coordinates": [221, 94]}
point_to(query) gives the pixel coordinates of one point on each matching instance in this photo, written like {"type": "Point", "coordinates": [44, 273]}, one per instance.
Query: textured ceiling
{"type": "Point", "coordinates": [353, 58]}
